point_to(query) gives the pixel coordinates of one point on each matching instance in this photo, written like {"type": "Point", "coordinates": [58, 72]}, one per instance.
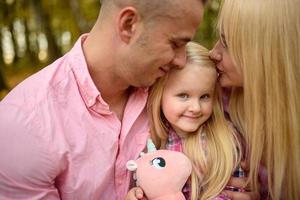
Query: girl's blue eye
{"type": "Point", "coordinates": [183, 96]}
{"type": "Point", "coordinates": [206, 96]}
{"type": "Point", "coordinates": [158, 162]}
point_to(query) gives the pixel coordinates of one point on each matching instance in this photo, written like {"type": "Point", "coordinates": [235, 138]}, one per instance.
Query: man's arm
{"type": "Point", "coordinates": [27, 167]}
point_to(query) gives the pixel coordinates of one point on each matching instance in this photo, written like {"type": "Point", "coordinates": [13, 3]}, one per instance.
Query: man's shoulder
{"type": "Point", "coordinates": [41, 86]}
{"type": "Point", "coordinates": [40, 101]}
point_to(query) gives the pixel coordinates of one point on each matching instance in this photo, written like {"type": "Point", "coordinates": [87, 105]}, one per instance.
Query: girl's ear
{"type": "Point", "coordinates": [127, 23]}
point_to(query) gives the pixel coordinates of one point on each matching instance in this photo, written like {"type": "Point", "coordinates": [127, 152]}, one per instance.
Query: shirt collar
{"type": "Point", "coordinates": [87, 88]}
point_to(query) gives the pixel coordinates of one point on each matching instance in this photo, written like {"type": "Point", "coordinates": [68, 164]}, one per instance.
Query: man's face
{"type": "Point", "coordinates": [160, 46]}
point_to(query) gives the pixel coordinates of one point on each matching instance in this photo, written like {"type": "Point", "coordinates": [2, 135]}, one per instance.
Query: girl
{"type": "Point", "coordinates": [185, 115]}
{"type": "Point", "coordinates": [257, 56]}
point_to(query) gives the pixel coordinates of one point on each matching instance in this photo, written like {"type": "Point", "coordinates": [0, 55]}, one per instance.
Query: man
{"type": "Point", "coordinates": [68, 131]}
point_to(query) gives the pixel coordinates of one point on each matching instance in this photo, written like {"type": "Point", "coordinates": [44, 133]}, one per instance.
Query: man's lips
{"type": "Point", "coordinates": [165, 70]}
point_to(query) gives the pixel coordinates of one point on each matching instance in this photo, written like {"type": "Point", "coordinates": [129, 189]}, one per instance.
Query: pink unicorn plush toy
{"type": "Point", "coordinates": [161, 173]}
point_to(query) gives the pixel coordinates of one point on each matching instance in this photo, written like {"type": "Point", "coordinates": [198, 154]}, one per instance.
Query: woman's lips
{"type": "Point", "coordinates": [220, 72]}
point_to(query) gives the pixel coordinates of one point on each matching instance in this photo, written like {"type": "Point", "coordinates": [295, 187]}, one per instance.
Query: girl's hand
{"type": "Point", "coordinates": [135, 193]}
{"type": "Point", "coordinates": [237, 188]}
{"type": "Point", "coordinates": [242, 194]}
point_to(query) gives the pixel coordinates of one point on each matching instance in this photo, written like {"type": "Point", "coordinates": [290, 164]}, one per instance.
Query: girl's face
{"type": "Point", "coordinates": [188, 96]}
{"type": "Point", "coordinates": [229, 75]}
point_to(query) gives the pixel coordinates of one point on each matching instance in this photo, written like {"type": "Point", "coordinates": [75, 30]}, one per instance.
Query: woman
{"type": "Point", "coordinates": [258, 57]}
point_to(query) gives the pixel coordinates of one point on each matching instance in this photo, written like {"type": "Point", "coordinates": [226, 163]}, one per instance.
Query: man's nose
{"type": "Point", "coordinates": [180, 58]}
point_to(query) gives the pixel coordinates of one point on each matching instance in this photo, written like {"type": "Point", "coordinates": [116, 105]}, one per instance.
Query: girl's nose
{"type": "Point", "coordinates": [195, 107]}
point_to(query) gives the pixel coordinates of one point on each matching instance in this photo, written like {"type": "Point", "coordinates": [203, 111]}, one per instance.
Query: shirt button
{"type": "Point", "coordinates": [90, 102]}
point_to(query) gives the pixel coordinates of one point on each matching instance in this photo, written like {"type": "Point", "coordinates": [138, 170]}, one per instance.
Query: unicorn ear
{"type": "Point", "coordinates": [142, 154]}
{"type": "Point", "coordinates": [131, 165]}
{"type": "Point", "coordinates": [150, 146]}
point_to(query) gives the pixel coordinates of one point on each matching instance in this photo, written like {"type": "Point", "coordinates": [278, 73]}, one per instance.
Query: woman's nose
{"type": "Point", "coordinates": [215, 54]}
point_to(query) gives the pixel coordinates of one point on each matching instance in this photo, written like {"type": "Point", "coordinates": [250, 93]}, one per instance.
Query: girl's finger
{"type": "Point", "coordinates": [241, 195]}
{"type": "Point", "coordinates": [135, 194]}
{"type": "Point", "coordinates": [245, 166]}
{"type": "Point", "coordinates": [239, 182]}
{"type": "Point", "coordinates": [139, 193]}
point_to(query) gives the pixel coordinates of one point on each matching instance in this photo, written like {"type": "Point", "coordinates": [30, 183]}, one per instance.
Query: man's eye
{"type": "Point", "coordinates": [175, 45]}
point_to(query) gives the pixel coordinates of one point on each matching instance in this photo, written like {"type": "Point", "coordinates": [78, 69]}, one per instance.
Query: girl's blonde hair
{"type": "Point", "coordinates": [222, 158]}
{"type": "Point", "coordinates": [263, 38]}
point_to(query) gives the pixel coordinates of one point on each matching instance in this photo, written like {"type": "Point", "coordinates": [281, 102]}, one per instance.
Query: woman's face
{"type": "Point", "coordinates": [229, 75]}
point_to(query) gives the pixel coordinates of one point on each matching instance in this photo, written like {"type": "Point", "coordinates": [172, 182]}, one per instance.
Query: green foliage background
{"type": "Point", "coordinates": [33, 33]}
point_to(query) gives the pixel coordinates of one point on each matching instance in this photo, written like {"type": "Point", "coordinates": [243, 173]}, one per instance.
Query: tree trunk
{"type": "Point", "coordinates": [82, 24]}
{"type": "Point", "coordinates": [44, 17]}
{"type": "Point", "coordinates": [3, 84]}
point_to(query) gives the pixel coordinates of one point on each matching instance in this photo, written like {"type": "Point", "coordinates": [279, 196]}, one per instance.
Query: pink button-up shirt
{"type": "Point", "coordinates": [60, 140]}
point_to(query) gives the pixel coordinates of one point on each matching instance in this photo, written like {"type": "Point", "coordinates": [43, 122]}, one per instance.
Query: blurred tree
{"type": "Point", "coordinates": [43, 17]}
{"type": "Point", "coordinates": [78, 15]}
{"type": "Point", "coordinates": [2, 10]}
{"type": "Point", "coordinates": [39, 31]}
{"type": "Point", "coordinates": [3, 85]}
{"type": "Point", "coordinates": [206, 33]}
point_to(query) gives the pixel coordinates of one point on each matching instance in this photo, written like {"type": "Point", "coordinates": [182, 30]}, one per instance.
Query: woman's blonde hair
{"type": "Point", "coordinates": [222, 158]}
{"type": "Point", "coordinates": [263, 38]}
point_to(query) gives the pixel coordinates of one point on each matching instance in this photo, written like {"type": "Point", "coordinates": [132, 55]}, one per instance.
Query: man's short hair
{"type": "Point", "coordinates": [104, 1]}
{"type": "Point", "coordinates": [148, 8]}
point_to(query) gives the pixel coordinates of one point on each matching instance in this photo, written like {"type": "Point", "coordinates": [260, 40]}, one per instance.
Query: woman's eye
{"type": "Point", "coordinates": [224, 44]}
{"type": "Point", "coordinates": [223, 41]}
{"type": "Point", "coordinates": [158, 162]}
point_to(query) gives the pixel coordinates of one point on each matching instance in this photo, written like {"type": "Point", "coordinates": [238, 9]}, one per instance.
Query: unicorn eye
{"type": "Point", "coordinates": [158, 163]}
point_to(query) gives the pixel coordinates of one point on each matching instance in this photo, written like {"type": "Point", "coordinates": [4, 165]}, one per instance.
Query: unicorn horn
{"type": "Point", "coordinates": [150, 146]}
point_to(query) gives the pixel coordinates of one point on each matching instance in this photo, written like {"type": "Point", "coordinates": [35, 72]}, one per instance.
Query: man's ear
{"type": "Point", "coordinates": [127, 23]}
